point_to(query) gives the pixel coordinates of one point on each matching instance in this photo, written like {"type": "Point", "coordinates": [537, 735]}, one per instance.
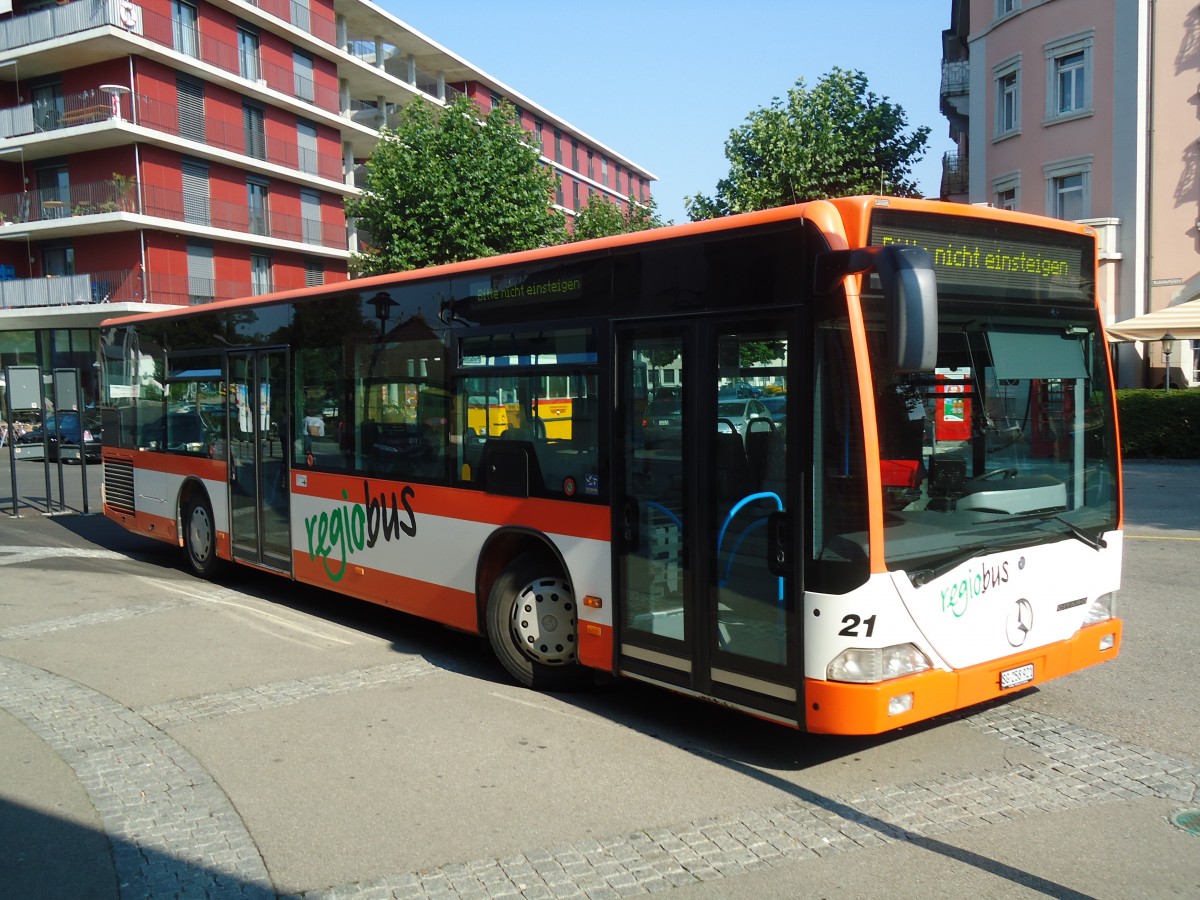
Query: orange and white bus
{"type": "Point", "coordinates": [844, 465]}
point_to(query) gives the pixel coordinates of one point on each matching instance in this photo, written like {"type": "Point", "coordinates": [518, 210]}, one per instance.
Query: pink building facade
{"type": "Point", "coordinates": [1087, 110]}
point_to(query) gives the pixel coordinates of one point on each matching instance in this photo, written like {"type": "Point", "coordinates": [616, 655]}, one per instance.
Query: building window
{"type": "Point", "coordinates": [1008, 98]}
{"type": "Point", "coordinates": [310, 215]}
{"type": "Point", "coordinates": [301, 15]}
{"type": "Point", "coordinates": [48, 106]}
{"type": "Point", "coordinates": [557, 146]}
{"type": "Point", "coordinates": [58, 261]}
{"type": "Point", "coordinates": [185, 29]}
{"type": "Point", "coordinates": [253, 121]}
{"type": "Point", "coordinates": [1069, 77]}
{"type": "Point", "coordinates": [302, 75]}
{"type": "Point", "coordinates": [1004, 7]}
{"type": "Point", "coordinates": [195, 192]}
{"type": "Point", "coordinates": [248, 65]}
{"type": "Point", "coordinates": [306, 147]}
{"type": "Point", "coordinates": [260, 274]}
{"type": "Point", "coordinates": [256, 201]}
{"type": "Point", "coordinates": [575, 195]}
{"type": "Point", "coordinates": [494, 100]}
{"type": "Point", "coordinates": [202, 286]}
{"type": "Point", "coordinates": [591, 170]}
{"type": "Point", "coordinates": [604, 171]}
{"type": "Point", "coordinates": [1195, 362]}
{"type": "Point", "coordinates": [314, 272]}
{"type": "Point", "coordinates": [191, 107]}
{"type": "Point", "coordinates": [538, 140]}
{"type": "Point", "coordinates": [1068, 188]}
{"type": "Point", "coordinates": [1006, 191]}
{"type": "Point", "coordinates": [574, 155]}
{"type": "Point", "coordinates": [558, 191]}
{"type": "Point", "coordinates": [1068, 196]}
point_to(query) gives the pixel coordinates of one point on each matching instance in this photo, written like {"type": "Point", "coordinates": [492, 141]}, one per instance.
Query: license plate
{"type": "Point", "coordinates": [1011, 678]}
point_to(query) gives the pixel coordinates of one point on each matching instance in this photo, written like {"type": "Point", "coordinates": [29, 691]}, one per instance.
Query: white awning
{"type": "Point", "coordinates": [1182, 321]}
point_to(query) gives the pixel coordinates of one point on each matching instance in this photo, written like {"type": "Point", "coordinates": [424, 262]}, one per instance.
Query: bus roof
{"type": "Point", "coordinates": [844, 222]}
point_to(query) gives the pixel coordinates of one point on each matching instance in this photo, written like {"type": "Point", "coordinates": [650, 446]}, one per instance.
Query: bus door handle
{"type": "Point", "coordinates": [630, 527]}
{"type": "Point", "coordinates": [779, 544]}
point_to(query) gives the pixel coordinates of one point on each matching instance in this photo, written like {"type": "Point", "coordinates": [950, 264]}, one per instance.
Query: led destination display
{"type": "Point", "coordinates": [991, 259]}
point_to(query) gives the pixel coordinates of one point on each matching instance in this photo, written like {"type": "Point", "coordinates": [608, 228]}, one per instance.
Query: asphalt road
{"type": "Point", "coordinates": [161, 736]}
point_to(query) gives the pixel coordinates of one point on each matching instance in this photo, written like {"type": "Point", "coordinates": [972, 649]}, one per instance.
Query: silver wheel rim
{"type": "Point", "coordinates": [543, 621]}
{"type": "Point", "coordinates": [200, 534]}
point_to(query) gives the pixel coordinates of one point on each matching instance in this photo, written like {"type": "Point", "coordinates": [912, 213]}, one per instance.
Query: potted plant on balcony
{"type": "Point", "coordinates": [122, 197]}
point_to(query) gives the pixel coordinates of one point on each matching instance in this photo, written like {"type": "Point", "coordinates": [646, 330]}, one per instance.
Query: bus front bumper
{"type": "Point", "coordinates": [839, 708]}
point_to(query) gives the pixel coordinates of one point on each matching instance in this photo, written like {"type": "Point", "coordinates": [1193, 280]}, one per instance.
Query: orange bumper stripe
{"type": "Point", "coordinates": [838, 708]}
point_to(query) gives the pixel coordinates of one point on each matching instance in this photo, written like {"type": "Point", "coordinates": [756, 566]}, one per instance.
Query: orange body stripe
{"type": "Point", "coordinates": [420, 598]}
{"type": "Point", "coordinates": [838, 708]}
{"type": "Point", "coordinates": [582, 520]}
{"type": "Point", "coordinates": [596, 645]}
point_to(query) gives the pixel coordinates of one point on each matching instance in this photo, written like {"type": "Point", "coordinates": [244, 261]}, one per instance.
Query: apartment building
{"type": "Point", "coordinates": [172, 152]}
{"type": "Point", "coordinates": [1086, 110]}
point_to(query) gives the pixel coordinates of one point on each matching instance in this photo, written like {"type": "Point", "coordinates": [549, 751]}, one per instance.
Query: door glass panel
{"type": "Point", "coordinates": [274, 433]}
{"type": "Point", "coordinates": [243, 473]}
{"type": "Point", "coordinates": [750, 495]}
{"type": "Point", "coordinates": [654, 512]}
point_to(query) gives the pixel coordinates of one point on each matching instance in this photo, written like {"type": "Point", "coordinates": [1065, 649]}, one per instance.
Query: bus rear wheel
{"type": "Point", "coordinates": [532, 624]}
{"type": "Point", "coordinates": [200, 538]}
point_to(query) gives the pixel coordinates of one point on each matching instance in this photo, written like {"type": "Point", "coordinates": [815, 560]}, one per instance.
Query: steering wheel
{"type": "Point", "coordinates": [1006, 472]}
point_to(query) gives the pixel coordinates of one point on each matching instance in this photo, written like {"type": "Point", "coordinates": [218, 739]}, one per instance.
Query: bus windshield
{"type": "Point", "coordinates": [1008, 442]}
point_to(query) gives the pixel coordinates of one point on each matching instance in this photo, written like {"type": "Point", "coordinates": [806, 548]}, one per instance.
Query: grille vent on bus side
{"type": "Point", "coordinates": [118, 485]}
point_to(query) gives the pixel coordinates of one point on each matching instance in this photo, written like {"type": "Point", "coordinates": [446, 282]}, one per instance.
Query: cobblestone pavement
{"type": "Point", "coordinates": [175, 832]}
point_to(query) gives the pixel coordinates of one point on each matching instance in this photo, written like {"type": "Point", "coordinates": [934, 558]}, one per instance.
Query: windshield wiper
{"type": "Point", "coordinates": [1096, 543]}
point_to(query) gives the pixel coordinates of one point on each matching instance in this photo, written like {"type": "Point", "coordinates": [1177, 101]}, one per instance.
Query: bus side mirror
{"type": "Point", "coordinates": [910, 292]}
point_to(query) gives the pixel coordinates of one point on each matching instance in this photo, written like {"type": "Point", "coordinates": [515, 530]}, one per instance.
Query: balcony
{"type": "Point", "coordinates": [956, 77]}
{"type": "Point", "coordinates": [74, 18]}
{"type": "Point", "coordinates": [314, 21]}
{"type": "Point", "coordinates": [80, 202]}
{"type": "Point", "coordinates": [121, 286]}
{"type": "Point", "coordinates": [954, 175]}
{"type": "Point", "coordinates": [55, 23]}
{"type": "Point", "coordinates": [388, 57]}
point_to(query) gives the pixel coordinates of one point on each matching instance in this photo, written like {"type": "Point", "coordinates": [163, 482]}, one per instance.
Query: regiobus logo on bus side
{"type": "Point", "coordinates": [354, 527]}
{"type": "Point", "coordinates": [975, 583]}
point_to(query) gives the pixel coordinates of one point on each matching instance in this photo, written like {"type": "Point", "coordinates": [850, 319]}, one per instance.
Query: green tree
{"type": "Point", "coordinates": [833, 140]}
{"type": "Point", "coordinates": [601, 217]}
{"type": "Point", "coordinates": [446, 185]}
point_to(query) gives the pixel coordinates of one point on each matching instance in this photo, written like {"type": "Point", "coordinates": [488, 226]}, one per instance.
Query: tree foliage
{"type": "Point", "coordinates": [601, 217]}
{"type": "Point", "coordinates": [444, 186]}
{"type": "Point", "coordinates": [836, 139]}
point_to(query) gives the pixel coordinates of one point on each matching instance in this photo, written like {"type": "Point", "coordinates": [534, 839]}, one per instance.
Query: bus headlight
{"type": "Point", "coordinates": [863, 666]}
{"type": "Point", "coordinates": [1101, 609]}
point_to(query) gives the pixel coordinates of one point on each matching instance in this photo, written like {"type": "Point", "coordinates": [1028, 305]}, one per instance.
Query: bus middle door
{"type": "Point", "coordinates": [704, 513]}
{"type": "Point", "coordinates": [260, 437]}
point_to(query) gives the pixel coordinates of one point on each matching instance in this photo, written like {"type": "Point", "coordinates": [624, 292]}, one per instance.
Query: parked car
{"type": "Point", "coordinates": [737, 414]}
{"type": "Point", "coordinates": [776, 405]}
{"type": "Point", "coordinates": [66, 425]}
{"type": "Point", "coordinates": [663, 419]}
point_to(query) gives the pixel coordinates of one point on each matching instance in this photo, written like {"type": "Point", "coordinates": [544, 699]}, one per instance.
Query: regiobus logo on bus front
{"type": "Point", "coordinates": [957, 594]}
{"type": "Point", "coordinates": [356, 527]}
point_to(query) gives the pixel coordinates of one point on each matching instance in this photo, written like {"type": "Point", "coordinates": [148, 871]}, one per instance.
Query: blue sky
{"type": "Point", "coordinates": [664, 81]}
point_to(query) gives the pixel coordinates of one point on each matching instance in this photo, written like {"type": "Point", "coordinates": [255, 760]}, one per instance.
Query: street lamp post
{"type": "Point", "coordinates": [1168, 347]}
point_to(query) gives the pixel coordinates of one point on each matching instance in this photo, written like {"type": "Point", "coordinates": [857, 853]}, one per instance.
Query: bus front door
{"type": "Point", "coordinates": [259, 441]}
{"type": "Point", "coordinates": [704, 523]}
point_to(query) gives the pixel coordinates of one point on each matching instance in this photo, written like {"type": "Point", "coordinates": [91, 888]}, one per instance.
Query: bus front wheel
{"type": "Point", "coordinates": [200, 537]}
{"type": "Point", "coordinates": [531, 625]}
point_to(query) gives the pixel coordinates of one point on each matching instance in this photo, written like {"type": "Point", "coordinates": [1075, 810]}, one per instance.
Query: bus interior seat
{"type": "Point", "coordinates": [735, 478]}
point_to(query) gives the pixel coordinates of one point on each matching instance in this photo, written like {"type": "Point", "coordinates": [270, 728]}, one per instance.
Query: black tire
{"type": "Point", "coordinates": [532, 625]}
{"type": "Point", "coordinates": [200, 538]}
